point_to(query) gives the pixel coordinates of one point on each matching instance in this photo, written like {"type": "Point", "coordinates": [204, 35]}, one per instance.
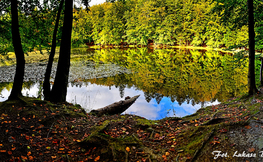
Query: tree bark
{"type": "Point", "coordinates": [20, 58]}
{"type": "Point", "coordinates": [59, 89]}
{"type": "Point", "coordinates": [261, 70]}
{"type": "Point", "coordinates": [115, 108]}
{"type": "Point", "coordinates": [46, 84]}
{"type": "Point", "coordinates": [251, 71]}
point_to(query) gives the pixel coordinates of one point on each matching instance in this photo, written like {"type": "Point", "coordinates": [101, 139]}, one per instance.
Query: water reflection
{"type": "Point", "coordinates": [170, 82]}
{"type": "Point", "coordinates": [91, 96]}
{"type": "Point", "coordinates": [188, 76]}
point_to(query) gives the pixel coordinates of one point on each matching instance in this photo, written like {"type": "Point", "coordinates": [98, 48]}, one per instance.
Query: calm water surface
{"type": "Point", "coordinates": [94, 96]}
{"type": "Point", "coordinates": [169, 82]}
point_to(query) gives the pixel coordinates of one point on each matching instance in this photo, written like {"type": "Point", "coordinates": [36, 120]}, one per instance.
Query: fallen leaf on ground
{"type": "Point", "coordinates": [248, 126]}
{"type": "Point", "coordinates": [251, 149]}
{"type": "Point", "coordinates": [97, 158]}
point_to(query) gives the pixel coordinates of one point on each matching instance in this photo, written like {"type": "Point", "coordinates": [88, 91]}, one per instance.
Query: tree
{"type": "Point", "coordinates": [112, 1]}
{"type": "Point", "coordinates": [142, 19]}
{"type": "Point", "coordinates": [59, 89]}
{"type": "Point", "coordinates": [46, 84]}
{"type": "Point", "coordinates": [5, 39]}
{"type": "Point", "coordinates": [82, 27]}
{"type": "Point", "coordinates": [240, 20]}
{"type": "Point", "coordinates": [113, 26]}
{"type": "Point", "coordinates": [251, 71]}
{"type": "Point", "coordinates": [26, 9]}
{"type": "Point", "coordinates": [97, 19]}
{"type": "Point", "coordinates": [20, 58]}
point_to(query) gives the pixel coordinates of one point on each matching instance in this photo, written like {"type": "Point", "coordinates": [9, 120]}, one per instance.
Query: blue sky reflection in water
{"type": "Point", "coordinates": [188, 77]}
{"type": "Point", "coordinates": [95, 96]}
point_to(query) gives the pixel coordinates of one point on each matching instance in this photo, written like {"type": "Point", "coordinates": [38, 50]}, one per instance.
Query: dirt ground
{"type": "Point", "coordinates": [35, 130]}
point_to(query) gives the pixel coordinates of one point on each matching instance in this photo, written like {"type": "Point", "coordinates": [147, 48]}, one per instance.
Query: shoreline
{"type": "Point", "coordinates": [209, 134]}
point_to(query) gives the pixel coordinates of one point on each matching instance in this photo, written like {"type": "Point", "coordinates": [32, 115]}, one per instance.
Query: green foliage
{"type": "Point", "coordinates": [82, 27]}
{"type": "Point", "coordinates": [183, 75]}
{"type": "Point", "coordinates": [212, 23]}
{"type": "Point", "coordinates": [234, 12]}
{"type": "Point", "coordinates": [181, 22]}
{"type": "Point", "coordinates": [6, 36]}
{"type": "Point", "coordinates": [37, 30]}
{"type": "Point", "coordinates": [259, 25]}
{"type": "Point", "coordinates": [36, 26]}
{"type": "Point", "coordinates": [113, 26]}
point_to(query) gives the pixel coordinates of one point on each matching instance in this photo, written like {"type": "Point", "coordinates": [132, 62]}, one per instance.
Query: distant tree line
{"type": "Point", "coordinates": [167, 22]}
{"type": "Point", "coordinates": [143, 22]}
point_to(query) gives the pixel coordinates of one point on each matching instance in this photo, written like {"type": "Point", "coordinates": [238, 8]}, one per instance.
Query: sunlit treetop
{"type": "Point", "coordinates": [235, 11]}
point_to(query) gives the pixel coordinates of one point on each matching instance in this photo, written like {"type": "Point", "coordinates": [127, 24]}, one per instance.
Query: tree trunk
{"type": "Point", "coordinates": [59, 90]}
{"type": "Point", "coordinates": [261, 70]}
{"type": "Point", "coordinates": [20, 58]}
{"type": "Point", "coordinates": [115, 108]}
{"type": "Point", "coordinates": [251, 71]}
{"type": "Point", "coordinates": [46, 85]}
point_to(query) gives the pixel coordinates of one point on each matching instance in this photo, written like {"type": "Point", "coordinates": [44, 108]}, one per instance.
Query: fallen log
{"type": "Point", "coordinates": [115, 108]}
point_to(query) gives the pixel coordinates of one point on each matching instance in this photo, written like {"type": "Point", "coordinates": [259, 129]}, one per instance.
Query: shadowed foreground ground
{"type": "Point", "coordinates": [35, 130]}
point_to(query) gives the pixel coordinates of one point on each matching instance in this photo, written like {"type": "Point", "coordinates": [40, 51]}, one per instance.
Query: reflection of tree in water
{"type": "Point", "coordinates": [183, 75]}
{"type": "Point", "coordinates": [188, 99]}
{"type": "Point", "coordinates": [213, 100]}
{"type": "Point", "coordinates": [193, 102]}
{"type": "Point", "coordinates": [158, 97]}
{"type": "Point", "coordinates": [173, 98]}
{"type": "Point", "coordinates": [28, 85]}
{"type": "Point", "coordinates": [180, 100]}
{"type": "Point", "coordinates": [202, 104]}
{"type": "Point", "coordinates": [5, 85]}
{"type": "Point", "coordinates": [191, 77]}
{"type": "Point", "coordinates": [147, 96]}
{"type": "Point", "coordinates": [121, 89]}
{"type": "Point", "coordinates": [120, 82]}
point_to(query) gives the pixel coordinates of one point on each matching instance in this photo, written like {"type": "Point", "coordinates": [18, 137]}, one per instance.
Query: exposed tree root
{"type": "Point", "coordinates": [203, 143]}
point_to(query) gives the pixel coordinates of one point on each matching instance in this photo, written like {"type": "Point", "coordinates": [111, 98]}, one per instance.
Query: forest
{"type": "Point", "coordinates": [52, 129]}
{"type": "Point", "coordinates": [206, 23]}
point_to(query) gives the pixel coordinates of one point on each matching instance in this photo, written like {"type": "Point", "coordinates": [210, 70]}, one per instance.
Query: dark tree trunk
{"type": "Point", "coordinates": [20, 58]}
{"type": "Point", "coordinates": [251, 71]}
{"type": "Point", "coordinates": [261, 70]}
{"type": "Point", "coordinates": [46, 85]}
{"type": "Point", "coordinates": [59, 89]}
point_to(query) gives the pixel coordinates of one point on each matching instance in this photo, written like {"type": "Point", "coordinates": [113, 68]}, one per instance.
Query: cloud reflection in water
{"type": "Point", "coordinates": [95, 96]}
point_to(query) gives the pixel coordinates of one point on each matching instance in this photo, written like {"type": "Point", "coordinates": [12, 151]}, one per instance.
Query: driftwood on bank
{"type": "Point", "coordinates": [115, 108]}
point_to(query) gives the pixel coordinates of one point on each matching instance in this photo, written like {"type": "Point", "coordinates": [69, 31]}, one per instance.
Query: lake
{"type": "Point", "coordinates": [170, 82]}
